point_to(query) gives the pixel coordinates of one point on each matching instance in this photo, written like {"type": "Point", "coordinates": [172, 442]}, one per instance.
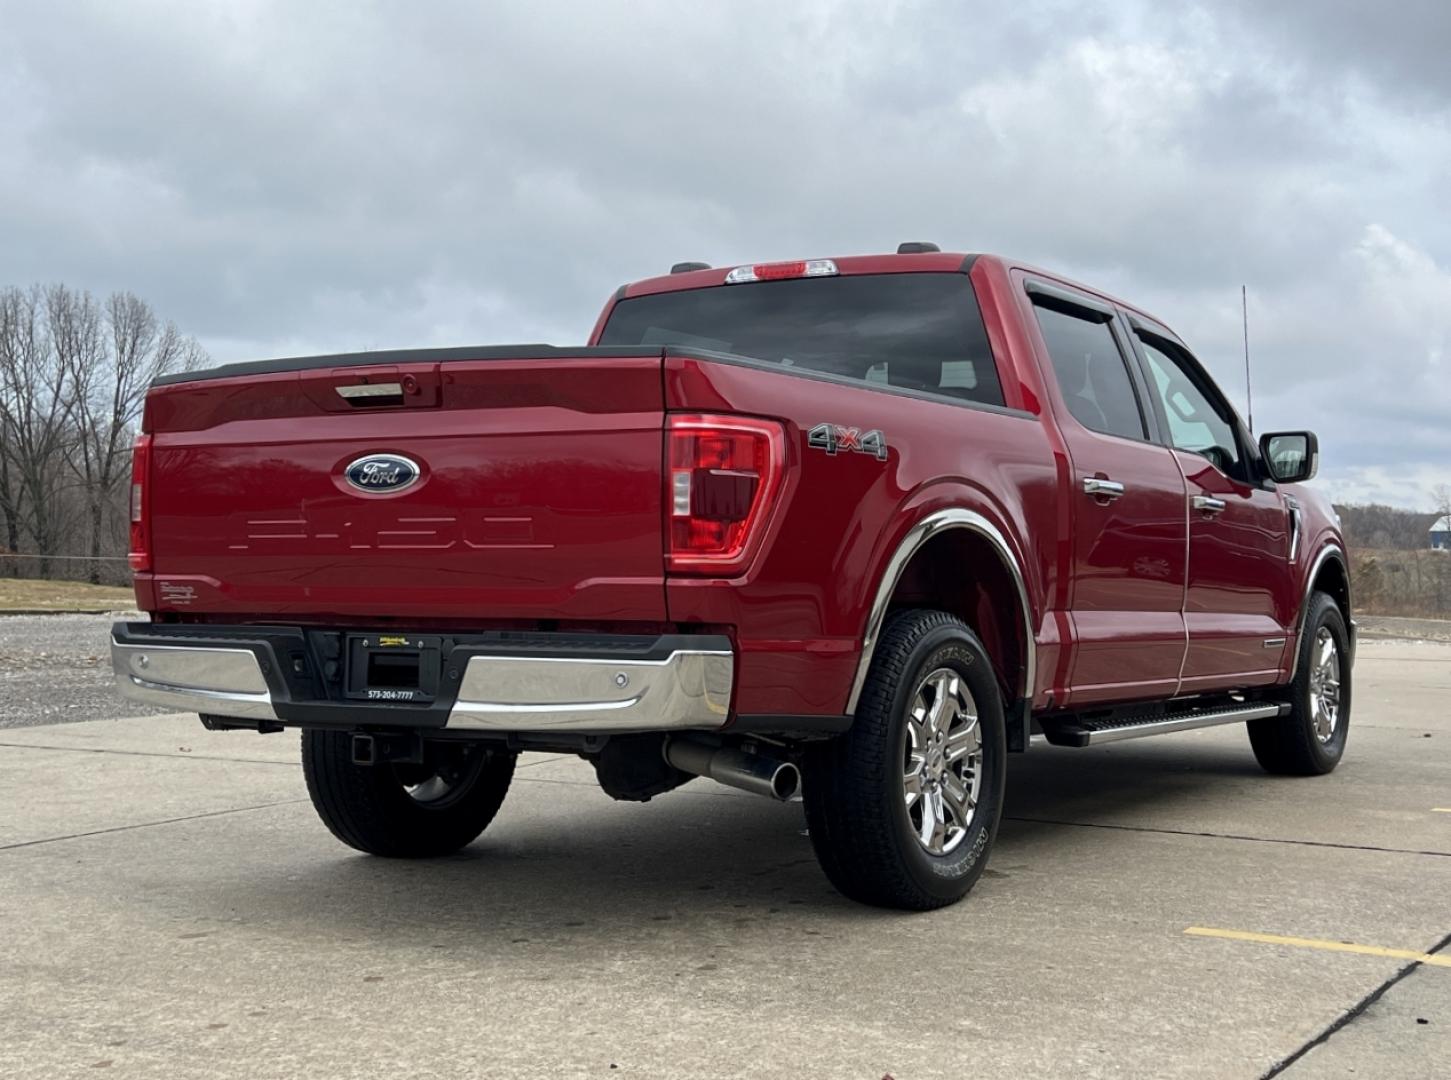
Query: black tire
{"type": "Point", "coordinates": [853, 786]}
{"type": "Point", "coordinates": [369, 807]}
{"type": "Point", "coordinates": [1288, 745]}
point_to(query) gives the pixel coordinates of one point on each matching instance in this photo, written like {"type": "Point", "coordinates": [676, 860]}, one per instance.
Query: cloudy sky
{"type": "Point", "coordinates": [290, 177]}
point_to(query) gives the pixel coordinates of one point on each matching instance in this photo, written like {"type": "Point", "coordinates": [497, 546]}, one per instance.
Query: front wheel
{"type": "Point", "coordinates": [903, 808]}
{"type": "Point", "coordinates": [1311, 739]}
{"type": "Point", "coordinates": [405, 811]}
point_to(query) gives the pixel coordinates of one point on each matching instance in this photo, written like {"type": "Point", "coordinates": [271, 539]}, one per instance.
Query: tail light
{"type": "Point", "coordinates": [139, 555]}
{"type": "Point", "coordinates": [723, 480]}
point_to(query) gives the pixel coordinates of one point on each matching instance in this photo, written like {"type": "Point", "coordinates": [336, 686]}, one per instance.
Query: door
{"type": "Point", "coordinates": [1238, 601]}
{"type": "Point", "coordinates": [1126, 507]}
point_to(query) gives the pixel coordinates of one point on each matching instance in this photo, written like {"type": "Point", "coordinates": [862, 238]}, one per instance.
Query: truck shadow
{"type": "Point", "coordinates": [1165, 778]}
{"type": "Point", "coordinates": [564, 862]}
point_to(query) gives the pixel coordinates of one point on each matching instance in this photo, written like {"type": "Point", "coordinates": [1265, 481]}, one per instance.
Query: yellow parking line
{"type": "Point", "coordinates": [1317, 943]}
{"type": "Point", "coordinates": [1441, 809]}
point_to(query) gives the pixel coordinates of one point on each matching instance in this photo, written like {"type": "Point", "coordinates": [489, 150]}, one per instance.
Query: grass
{"type": "Point", "coordinates": [20, 594]}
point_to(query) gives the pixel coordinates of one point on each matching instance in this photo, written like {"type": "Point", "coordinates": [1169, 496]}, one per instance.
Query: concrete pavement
{"type": "Point", "coordinates": [170, 906]}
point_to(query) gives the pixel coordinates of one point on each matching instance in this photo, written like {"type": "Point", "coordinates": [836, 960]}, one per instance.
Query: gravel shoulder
{"type": "Point", "coordinates": [56, 669]}
{"type": "Point", "coordinates": [1395, 628]}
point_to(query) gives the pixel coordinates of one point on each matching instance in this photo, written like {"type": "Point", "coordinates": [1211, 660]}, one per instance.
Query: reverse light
{"type": "Point", "coordinates": [723, 480]}
{"type": "Point", "coordinates": [139, 554]}
{"type": "Point", "coordinates": [782, 270]}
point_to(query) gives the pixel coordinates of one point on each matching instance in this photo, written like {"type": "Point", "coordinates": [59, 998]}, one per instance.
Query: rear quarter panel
{"type": "Point", "coordinates": [800, 610]}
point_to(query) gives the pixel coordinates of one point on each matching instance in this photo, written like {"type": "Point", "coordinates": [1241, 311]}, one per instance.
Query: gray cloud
{"type": "Point", "coordinates": [285, 177]}
{"type": "Point", "coordinates": [1397, 49]}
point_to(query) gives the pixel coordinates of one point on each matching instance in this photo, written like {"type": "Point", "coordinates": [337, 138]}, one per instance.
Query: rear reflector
{"type": "Point", "coordinates": [139, 555]}
{"type": "Point", "coordinates": [723, 481]}
{"type": "Point", "coordinates": [780, 271]}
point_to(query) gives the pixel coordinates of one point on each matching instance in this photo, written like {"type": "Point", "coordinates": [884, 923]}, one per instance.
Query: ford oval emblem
{"type": "Point", "coordinates": [382, 474]}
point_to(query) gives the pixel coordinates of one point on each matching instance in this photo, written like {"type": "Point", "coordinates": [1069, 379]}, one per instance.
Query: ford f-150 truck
{"type": "Point", "coordinates": [862, 525]}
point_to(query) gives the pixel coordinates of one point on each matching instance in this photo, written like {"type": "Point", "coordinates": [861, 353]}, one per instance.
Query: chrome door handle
{"type": "Point", "coordinates": [1102, 489]}
{"type": "Point", "coordinates": [1209, 504]}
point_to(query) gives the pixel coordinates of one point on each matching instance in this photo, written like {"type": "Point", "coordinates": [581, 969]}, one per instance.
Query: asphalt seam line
{"type": "Point", "coordinates": [1353, 1013]}
{"type": "Point", "coordinates": [179, 756]}
{"type": "Point", "coordinates": [1229, 836]}
{"type": "Point", "coordinates": [149, 824]}
{"type": "Point", "coordinates": [145, 753]}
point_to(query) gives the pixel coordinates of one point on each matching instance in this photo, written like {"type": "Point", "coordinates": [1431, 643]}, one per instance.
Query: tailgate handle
{"type": "Point", "coordinates": [371, 393]}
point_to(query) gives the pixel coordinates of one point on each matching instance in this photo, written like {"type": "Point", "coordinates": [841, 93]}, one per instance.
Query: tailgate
{"type": "Point", "coordinates": [471, 489]}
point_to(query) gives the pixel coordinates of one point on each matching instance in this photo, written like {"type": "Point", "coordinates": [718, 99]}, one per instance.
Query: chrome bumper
{"type": "Point", "coordinates": [687, 688]}
{"type": "Point", "coordinates": [193, 679]}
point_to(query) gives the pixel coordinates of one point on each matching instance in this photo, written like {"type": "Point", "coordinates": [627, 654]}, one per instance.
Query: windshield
{"type": "Point", "coordinates": [918, 331]}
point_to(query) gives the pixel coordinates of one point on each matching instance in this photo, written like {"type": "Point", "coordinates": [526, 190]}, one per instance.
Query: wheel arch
{"type": "Point", "coordinates": [935, 537]}
{"type": "Point", "coordinates": [1330, 574]}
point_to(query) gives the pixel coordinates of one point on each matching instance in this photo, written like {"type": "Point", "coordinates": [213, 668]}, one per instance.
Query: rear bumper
{"type": "Point", "coordinates": [499, 683]}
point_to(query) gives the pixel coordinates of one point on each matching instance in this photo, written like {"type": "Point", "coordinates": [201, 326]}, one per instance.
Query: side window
{"type": "Point", "coordinates": [1091, 373]}
{"type": "Point", "coordinates": [1197, 423]}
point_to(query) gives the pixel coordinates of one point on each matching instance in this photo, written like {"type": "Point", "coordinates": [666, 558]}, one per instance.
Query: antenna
{"type": "Point", "coordinates": [1249, 398]}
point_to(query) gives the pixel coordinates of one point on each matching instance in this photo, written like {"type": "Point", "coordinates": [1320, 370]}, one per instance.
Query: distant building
{"type": "Point", "coordinates": [1441, 534]}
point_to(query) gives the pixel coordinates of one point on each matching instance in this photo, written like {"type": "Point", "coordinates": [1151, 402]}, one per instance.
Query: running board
{"type": "Point", "coordinates": [1074, 731]}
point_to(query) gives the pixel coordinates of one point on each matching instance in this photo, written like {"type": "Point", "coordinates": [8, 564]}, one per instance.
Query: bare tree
{"type": "Point", "coordinates": [9, 497]}
{"type": "Point", "coordinates": [35, 409]}
{"type": "Point", "coordinates": [109, 378]}
{"type": "Point", "coordinates": [73, 380]}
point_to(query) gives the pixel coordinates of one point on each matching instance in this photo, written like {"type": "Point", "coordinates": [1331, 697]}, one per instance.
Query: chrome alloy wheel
{"type": "Point", "coordinates": [941, 761]}
{"type": "Point", "coordinates": [1325, 685]}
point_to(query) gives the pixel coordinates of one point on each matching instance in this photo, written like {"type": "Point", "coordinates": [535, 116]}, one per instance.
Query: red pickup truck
{"type": "Point", "coordinates": [863, 525]}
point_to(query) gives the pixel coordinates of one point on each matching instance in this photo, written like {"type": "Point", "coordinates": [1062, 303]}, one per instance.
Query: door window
{"type": "Point", "coordinates": [1198, 422]}
{"type": "Point", "coordinates": [1091, 372]}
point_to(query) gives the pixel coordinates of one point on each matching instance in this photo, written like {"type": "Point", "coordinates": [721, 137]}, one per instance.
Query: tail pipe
{"type": "Point", "coordinates": [755, 773]}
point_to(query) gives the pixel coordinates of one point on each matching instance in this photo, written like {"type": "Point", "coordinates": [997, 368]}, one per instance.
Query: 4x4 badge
{"type": "Point", "coordinates": [835, 439]}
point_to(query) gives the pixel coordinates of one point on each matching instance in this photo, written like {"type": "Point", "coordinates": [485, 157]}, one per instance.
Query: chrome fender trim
{"type": "Point", "coordinates": [1330, 551]}
{"type": "Point", "coordinates": [932, 525]}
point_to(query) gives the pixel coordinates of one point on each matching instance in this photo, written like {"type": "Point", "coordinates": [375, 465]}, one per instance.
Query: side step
{"type": "Point", "coordinates": [1078, 731]}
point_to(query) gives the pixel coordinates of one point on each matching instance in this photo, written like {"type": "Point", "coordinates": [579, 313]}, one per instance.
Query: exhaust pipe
{"type": "Point", "coordinates": [735, 768]}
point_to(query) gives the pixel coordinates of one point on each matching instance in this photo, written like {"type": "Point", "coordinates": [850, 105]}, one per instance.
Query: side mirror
{"type": "Point", "coordinates": [1290, 456]}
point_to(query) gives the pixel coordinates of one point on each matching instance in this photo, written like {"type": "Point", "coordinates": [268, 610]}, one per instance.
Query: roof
{"type": "Point", "coordinates": [923, 261]}
{"type": "Point", "coordinates": [1441, 524]}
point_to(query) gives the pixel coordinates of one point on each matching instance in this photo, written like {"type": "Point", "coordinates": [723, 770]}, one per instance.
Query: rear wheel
{"type": "Point", "coordinates": [1311, 739]}
{"type": "Point", "coordinates": [405, 811]}
{"type": "Point", "coordinates": [903, 808]}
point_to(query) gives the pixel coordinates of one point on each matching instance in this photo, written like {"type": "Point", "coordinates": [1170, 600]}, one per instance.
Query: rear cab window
{"type": "Point", "coordinates": [916, 331]}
